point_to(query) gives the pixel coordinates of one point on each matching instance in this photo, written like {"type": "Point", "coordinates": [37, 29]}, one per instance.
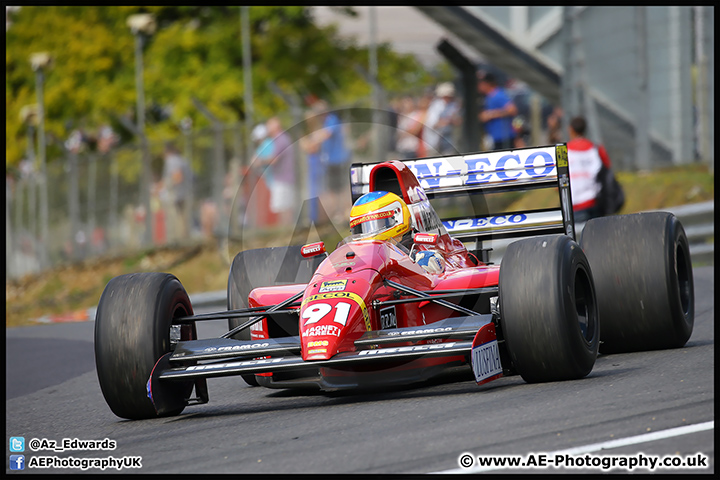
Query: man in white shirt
{"type": "Point", "coordinates": [443, 116]}
{"type": "Point", "coordinates": [585, 159]}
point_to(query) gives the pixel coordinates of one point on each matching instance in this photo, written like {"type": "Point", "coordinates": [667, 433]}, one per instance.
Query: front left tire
{"type": "Point", "coordinates": [132, 331]}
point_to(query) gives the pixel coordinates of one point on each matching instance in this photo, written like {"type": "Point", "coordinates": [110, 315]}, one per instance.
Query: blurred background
{"type": "Point", "coordinates": [132, 128]}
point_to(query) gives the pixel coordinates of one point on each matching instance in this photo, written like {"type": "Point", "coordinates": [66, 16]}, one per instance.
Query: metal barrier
{"type": "Point", "coordinates": [698, 221]}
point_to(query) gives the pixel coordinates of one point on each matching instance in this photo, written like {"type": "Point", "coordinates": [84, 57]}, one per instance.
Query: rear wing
{"type": "Point", "coordinates": [476, 174]}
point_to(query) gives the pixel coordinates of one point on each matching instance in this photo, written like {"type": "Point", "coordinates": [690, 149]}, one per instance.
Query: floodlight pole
{"type": "Point", "coordinates": [146, 172]}
{"type": "Point", "coordinates": [39, 89]}
{"type": "Point", "coordinates": [377, 148]}
{"type": "Point", "coordinates": [247, 79]}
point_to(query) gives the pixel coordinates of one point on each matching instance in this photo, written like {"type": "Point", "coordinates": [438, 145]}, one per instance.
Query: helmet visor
{"type": "Point", "coordinates": [373, 223]}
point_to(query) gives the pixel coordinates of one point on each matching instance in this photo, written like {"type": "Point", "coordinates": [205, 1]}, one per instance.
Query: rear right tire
{"type": "Point", "coordinates": [643, 277]}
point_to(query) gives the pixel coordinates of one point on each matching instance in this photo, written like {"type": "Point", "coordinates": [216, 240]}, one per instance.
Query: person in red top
{"type": "Point", "coordinates": [585, 159]}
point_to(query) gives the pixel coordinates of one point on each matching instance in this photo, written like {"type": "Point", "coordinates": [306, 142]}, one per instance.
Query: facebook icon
{"type": "Point", "coordinates": [17, 462]}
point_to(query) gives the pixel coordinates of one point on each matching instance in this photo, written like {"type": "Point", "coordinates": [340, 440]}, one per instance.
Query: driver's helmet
{"type": "Point", "coordinates": [380, 215]}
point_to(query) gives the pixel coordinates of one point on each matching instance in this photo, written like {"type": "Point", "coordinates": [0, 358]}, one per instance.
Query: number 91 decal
{"type": "Point", "coordinates": [315, 312]}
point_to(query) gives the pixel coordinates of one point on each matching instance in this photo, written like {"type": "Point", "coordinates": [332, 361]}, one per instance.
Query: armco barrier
{"type": "Point", "coordinates": [698, 221]}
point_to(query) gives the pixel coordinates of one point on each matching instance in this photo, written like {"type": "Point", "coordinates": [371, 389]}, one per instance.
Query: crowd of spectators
{"type": "Point", "coordinates": [270, 189]}
{"type": "Point", "coordinates": [264, 191]}
{"type": "Point", "coordinates": [430, 123]}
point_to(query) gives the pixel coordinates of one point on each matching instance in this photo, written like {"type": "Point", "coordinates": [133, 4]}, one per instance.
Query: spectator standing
{"type": "Point", "coordinates": [263, 175]}
{"type": "Point", "coordinates": [522, 132]}
{"type": "Point", "coordinates": [585, 160]}
{"type": "Point", "coordinates": [159, 234]}
{"type": "Point", "coordinates": [282, 165]}
{"type": "Point", "coordinates": [264, 143]}
{"type": "Point", "coordinates": [443, 117]}
{"type": "Point", "coordinates": [334, 157]}
{"type": "Point", "coordinates": [498, 112]}
{"type": "Point", "coordinates": [554, 126]}
{"type": "Point", "coordinates": [393, 124]}
{"type": "Point", "coordinates": [107, 139]}
{"type": "Point", "coordinates": [310, 145]}
{"type": "Point", "coordinates": [176, 185]}
{"type": "Point", "coordinates": [254, 191]}
{"type": "Point", "coordinates": [409, 127]}
{"type": "Point", "coordinates": [421, 115]}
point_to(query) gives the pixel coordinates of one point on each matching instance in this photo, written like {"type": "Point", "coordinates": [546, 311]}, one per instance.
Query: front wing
{"type": "Point", "coordinates": [247, 354]}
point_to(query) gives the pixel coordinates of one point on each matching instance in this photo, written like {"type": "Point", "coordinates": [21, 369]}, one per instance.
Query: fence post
{"type": "Point", "coordinates": [679, 98]}
{"type": "Point", "coordinates": [218, 162]}
{"type": "Point", "coordinates": [73, 202]}
{"type": "Point", "coordinates": [642, 134]}
{"type": "Point", "coordinates": [40, 76]}
{"type": "Point", "coordinates": [186, 127]}
{"type": "Point", "coordinates": [468, 75]}
{"type": "Point", "coordinates": [379, 117]}
{"type": "Point", "coordinates": [91, 204]}
{"type": "Point", "coordinates": [145, 180]}
{"type": "Point", "coordinates": [113, 228]}
{"type": "Point", "coordinates": [247, 77]}
{"type": "Point", "coordinates": [9, 241]}
{"type": "Point", "coordinates": [535, 119]}
{"type": "Point", "coordinates": [702, 100]}
{"type": "Point", "coordinates": [33, 191]}
{"type": "Point", "coordinates": [567, 79]}
{"type": "Point", "coordinates": [218, 174]}
{"type": "Point", "coordinates": [710, 79]}
{"type": "Point", "coordinates": [18, 222]}
{"type": "Point", "coordinates": [145, 185]}
{"type": "Point", "coordinates": [379, 146]}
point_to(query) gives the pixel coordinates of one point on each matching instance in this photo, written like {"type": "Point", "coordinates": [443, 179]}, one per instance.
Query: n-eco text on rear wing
{"type": "Point", "coordinates": [491, 172]}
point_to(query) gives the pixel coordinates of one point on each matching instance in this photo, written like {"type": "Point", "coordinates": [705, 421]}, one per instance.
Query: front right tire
{"type": "Point", "coordinates": [548, 309]}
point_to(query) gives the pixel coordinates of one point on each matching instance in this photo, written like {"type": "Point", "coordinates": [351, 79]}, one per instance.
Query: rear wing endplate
{"type": "Point", "coordinates": [490, 172]}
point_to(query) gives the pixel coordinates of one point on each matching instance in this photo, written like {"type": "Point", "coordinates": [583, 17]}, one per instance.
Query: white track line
{"type": "Point", "coordinates": [621, 442]}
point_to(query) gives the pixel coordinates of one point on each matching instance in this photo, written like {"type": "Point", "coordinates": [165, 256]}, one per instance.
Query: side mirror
{"type": "Point", "coordinates": [312, 249]}
{"type": "Point", "coordinates": [426, 238]}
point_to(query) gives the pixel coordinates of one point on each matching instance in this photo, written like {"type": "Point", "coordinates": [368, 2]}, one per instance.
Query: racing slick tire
{"type": "Point", "coordinates": [132, 331]}
{"type": "Point", "coordinates": [548, 309]}
{"type": "Point", "coordinates": [643, 278]}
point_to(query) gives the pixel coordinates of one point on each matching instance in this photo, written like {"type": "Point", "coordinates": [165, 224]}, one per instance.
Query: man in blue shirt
{"type": "Point", "coordinates": [498, 113]}
{"type": "Point", "coordinates": [334, 157]}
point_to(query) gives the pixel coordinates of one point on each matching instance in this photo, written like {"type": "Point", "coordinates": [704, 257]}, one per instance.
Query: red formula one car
{"type": "Point", "coordinates": [410, 295]}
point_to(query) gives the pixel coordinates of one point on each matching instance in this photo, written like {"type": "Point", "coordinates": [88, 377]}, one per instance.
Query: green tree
{"type": "Point", "coordinates": [195, 52]}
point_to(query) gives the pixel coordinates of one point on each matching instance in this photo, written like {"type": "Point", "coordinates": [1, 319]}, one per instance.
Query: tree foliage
{"type": "Point", "coordinates": [195, 52]}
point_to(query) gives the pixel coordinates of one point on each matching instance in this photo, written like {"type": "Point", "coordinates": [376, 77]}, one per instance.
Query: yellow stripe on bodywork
{"type": "Point", "coordinates": [349, 295]}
